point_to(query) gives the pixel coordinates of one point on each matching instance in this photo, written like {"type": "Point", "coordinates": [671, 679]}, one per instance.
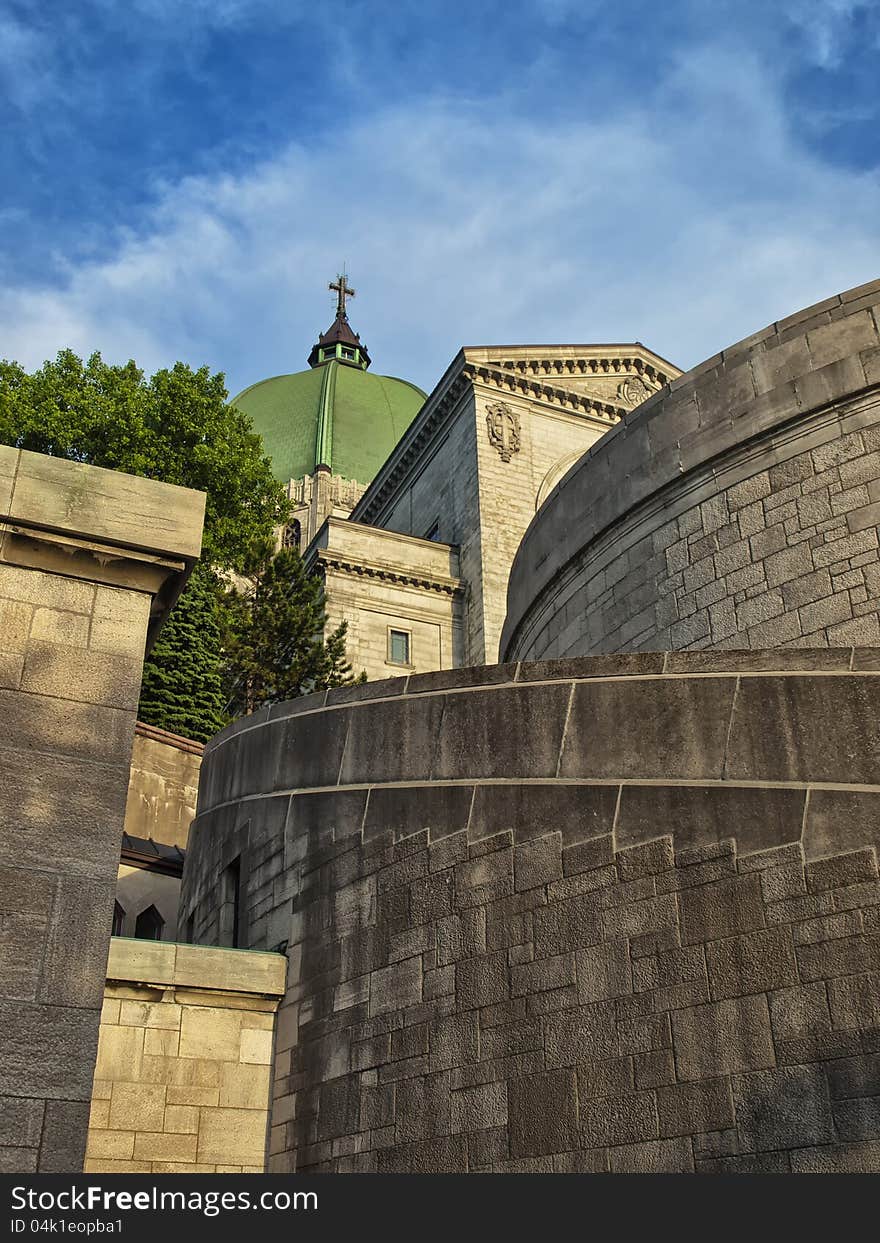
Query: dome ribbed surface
{"type": "Point", "coordinates": [336, 412]}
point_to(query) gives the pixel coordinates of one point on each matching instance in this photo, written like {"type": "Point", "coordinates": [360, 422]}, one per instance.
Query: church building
{"type": "Point", "coordinates": [411, 507]}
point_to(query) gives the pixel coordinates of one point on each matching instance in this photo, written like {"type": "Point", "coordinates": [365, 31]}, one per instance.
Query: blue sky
{"type": "Point", "coordinates": [181, 178]}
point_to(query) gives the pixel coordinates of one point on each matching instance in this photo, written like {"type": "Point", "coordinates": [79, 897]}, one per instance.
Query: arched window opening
{"type": "Point", "coordinates": [292, 535]}
{"type": "Point", "coordinates": [149, 925]}
{"type": "Point", "coordinates": [118, 919]}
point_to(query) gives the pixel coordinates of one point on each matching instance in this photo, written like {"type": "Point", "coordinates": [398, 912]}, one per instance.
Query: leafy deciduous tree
{"type": "Point", "coordinates": [176, 426]}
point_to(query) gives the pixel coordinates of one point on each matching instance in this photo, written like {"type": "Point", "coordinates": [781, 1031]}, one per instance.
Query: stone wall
{"type": "Point", "coordinates": [377, 580]}
{"type": "Point", "coordinates": [163, 786]}
{"type": "Point", "coordinates": [183, 1072]}
{"type": "Point", "coordinates": [737, 508]}
{"type": "Point", "coordinates": [446, 467]}
{"type": "Point", "coordinates": [617, 913]}
{"type": "Point", "coordinates": [162, 790]}
{"type": "Point", "coordinates": [88, 560]}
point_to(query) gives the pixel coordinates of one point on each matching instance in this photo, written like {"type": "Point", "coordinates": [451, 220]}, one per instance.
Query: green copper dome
{"type": "Point", "coordinates": [335, 415]}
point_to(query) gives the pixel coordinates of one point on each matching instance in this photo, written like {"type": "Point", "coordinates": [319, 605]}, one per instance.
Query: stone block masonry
{"type": "Point", "coordinates": [183, 1072]}
{"type": "Point", "coordinates": [737, 508]}
{"type": "Point", "coordinates": [90, 561]}
{"type": "Point", "coordinates": [609, 914]}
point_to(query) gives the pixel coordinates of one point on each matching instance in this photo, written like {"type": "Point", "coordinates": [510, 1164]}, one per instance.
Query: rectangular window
{"type": "Point", "coordinates": [398, 647]}
{"type": "Point", "coordinates": [230, 909]}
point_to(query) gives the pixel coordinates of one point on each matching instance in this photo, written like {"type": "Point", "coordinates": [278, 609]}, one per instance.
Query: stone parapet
{"type": "Point", "coordinates": [184, 1060]}
{"type": "Point", "coordinates": [616, 913]}
{"type": "Point", "coordinates": [89, 561]}
{"type": "Point", "coordinates": [737, 507]}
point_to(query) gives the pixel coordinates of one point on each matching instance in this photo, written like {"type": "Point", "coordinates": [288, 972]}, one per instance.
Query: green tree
{"type": "Point", "coordinates": [182, 688]}
{"type": "Point", "coordinates": [176, 426]}
{"type": "Point", "coordinates": [274, 641]}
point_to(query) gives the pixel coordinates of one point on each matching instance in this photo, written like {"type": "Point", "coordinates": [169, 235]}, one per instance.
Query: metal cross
{"type": "Point", "coordinates": [343, 290]}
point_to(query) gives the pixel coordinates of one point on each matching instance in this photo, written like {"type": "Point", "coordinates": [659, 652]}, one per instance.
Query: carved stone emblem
{"type": "Point", "coordinates": [504, 429]}
{"type": "Point", "coordinates": [632, 391]}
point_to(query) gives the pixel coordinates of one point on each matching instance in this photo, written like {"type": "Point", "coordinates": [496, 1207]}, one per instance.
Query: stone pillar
{"type": "Point", "coordinates": [90, 562]}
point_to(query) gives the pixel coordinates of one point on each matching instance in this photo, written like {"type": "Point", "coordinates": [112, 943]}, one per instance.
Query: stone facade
{"type": "Point", "coordinates": [737, 508]}
{"type": "Point", "coordinates": [89, 560]}
{"type": "Point", "coordinates": [378, 581]}
{"type": "Point", "coordinates": [183, 1071]}
{"type": "Point", "coordinates": [495, 435]}
{"type": "Point", "coordinates": [617, 913]}
{"type": "Point", "coordinates": [163, 786]}
{"type": "Point", "coordinates": [316, 498]}
{"type": "Point", "coordinates": [162, 791]}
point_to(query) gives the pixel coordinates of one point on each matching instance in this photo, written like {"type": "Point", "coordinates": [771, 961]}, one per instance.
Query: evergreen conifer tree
{"type": "Point", "coordinates": [275, 645]}
{"type": "Point", "coordinates": [182, 688]}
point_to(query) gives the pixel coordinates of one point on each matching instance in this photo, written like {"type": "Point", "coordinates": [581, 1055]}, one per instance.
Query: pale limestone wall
{"type": "Point", "coordinates": [163, 787]}
{"type": "Point", "coordinates": [446, 467]}
{"type": "Point", "coordinates": [317, 497]}
{"type": "Point", "coordinates": [183, 1074]}
{"type": "Point", "coordinates": [376, 580]}
{"type": "Point", "coordinates": [510, 491]}
{"type": "Point", "coordinates": [88, 559]}
{"type": "Point", "coordinates": [162, 792]}
{"type": "Point", "coordinates": [444, 487]}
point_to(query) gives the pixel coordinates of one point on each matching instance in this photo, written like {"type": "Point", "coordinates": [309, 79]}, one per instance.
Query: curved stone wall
{"type": "Point", "coordinates": [737, 508]}
{"type": "Point", "coordinates": [618, 913]}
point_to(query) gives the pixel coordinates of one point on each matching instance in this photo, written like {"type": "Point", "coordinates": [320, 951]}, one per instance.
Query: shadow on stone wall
{"type": "Point", "coordinates": [600, 915]}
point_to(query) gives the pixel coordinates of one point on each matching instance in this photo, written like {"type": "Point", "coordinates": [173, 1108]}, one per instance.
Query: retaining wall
{"type": "Point", "coordinates": [737, 508]}
{"type": "Point", "coordinates": [616, 913]}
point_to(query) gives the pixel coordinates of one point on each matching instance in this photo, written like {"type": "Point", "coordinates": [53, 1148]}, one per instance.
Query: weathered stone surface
{"type": "Point", "coordinates": [782, 1108]}
{"type": "Point", "coordinates": [48, 1051]}
{"type": "Point", "coordinates": [764, 816]}
{"type": "Point", "coordinates": [662, 728]}
{"type": "Point", "coordinates": [721, 908]}
{"type": "Point", "coordinates": [579, 812]}
{"type": "Point", "coordinates": [484, 878]}
{"type": "Point", "coordinates": [665, 1156]}
{"type": "Point", "coordinates": [395, 737]}
{"type": "Point", "coordinates": [468, 745]}
{"type": "Point", "coordinates": [799, 1011]}
{"type": "Point", "coordinates": [576, 1036]}
{"type": "Point", "coordinates": [729, 1036]}
{"type": "Point", "coordinates": [780, 733]}
{"type": "Point", "coordinates": [561, 1004]}
{"type": "Point", "coordinates": [481, 981]}
{"type": "Point", "coordinates": [755, 963]}
{"type": "Point", "coordinates": [396, 985]}
{"type": "Point", "coordinates": [543, 1113]}
{"type": "Point", "coordinates": [442, 810]}
{"type": "Point", "coordinates": [691, 1108]}
{"type": "Point", "coordinates": [21, 1122]}
{"type": "Point", "coordinates": [619, 1119]}
{"type": "Point", "coordinates": [538, 863]}
{"type": "Point", "coordinates": [603, 972]}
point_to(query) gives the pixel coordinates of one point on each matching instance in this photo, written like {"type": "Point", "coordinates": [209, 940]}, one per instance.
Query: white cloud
{"type": "Point", "coordinates": [824, 24]}
{"type": "Point", "coordinates": [686, 227]}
